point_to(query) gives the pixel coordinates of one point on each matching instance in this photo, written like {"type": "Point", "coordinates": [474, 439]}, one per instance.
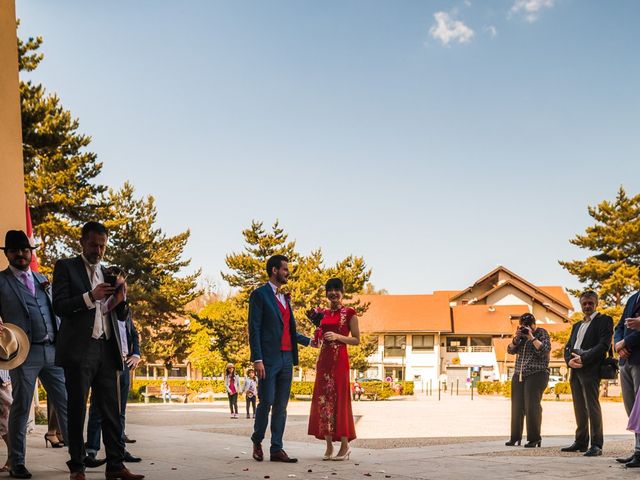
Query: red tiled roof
{"type": "Point", "coordinates": [486, 319]}
{"type": "Point", "coordinates": [406, 313]}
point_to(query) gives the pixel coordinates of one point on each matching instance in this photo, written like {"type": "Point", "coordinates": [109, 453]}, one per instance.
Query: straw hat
{"type": "Point", "coordinates": [14, 346]}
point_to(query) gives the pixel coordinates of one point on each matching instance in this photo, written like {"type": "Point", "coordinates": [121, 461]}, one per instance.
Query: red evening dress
{"type": "Point", "coordinates": [331, 403]}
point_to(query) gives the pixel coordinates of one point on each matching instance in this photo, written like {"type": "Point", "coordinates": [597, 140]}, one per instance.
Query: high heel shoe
{"type": "Point", "coordinates": [513, 443]}
{"type": "Point", "coordinates": [339, 458]}
{"type": "Point", "coordinates": [327, 457]}
{"type": "Point", "coordinates": [533, 444]}
{"type": "Point", "coordinates": [56, 444]}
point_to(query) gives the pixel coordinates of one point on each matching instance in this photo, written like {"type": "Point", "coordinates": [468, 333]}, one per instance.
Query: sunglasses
{"type": "Point", "coordinates": [19, 250]}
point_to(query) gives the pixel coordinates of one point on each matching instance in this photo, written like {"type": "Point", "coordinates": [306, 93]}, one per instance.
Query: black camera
{"type": "Point", "coordinates": [522, 334]}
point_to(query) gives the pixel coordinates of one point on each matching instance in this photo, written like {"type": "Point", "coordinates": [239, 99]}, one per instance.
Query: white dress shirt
{"type": "Point", "coordinates": [582, 329]}
{"type": "Point", "coordinates": [101, 324]}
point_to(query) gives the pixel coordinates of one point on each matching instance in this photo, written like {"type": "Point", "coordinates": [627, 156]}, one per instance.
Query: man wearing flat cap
{"type": "Point", "coordinates": [25, 301]}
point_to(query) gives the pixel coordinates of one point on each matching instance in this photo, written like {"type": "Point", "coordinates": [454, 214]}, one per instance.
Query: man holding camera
{"type": "Point", "coordinates": [584, 352]}
{"type": "Point", "coordinates": [89, 347]}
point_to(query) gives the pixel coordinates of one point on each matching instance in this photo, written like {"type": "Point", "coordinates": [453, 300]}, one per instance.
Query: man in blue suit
{"type": "Point", "coordinates": [274, 351]}
{"type": "Point", "coordinates": [627, 344]}
{"type": "Point", "coordinates": [130, 342]}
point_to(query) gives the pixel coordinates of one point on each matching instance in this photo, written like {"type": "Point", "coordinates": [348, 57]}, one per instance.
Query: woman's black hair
{"type": "Point", "coordinates": [334, 284]}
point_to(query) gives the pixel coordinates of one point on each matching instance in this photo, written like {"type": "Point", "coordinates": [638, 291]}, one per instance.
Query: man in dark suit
{"type": "Point", "coordinates": [25, 300]}
{"type": "Point", "coordinates": [584, 352]}
{"type": "Point", "coordinates": [88, 347]}
{"type": "Point", "coordinates": [130, 346]}
{"type": "Point", "coordinates": [274, 351]}
{"type": "Point", "coordinates": [627, 344]}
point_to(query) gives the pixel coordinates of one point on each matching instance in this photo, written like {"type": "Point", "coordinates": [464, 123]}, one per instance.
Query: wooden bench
{"type": "Point", "coordinates": [176, 391]}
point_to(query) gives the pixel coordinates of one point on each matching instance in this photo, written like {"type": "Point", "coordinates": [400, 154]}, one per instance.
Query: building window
{"type": "Point", "coordinates": [456, 344]}
{"type": "Point", "coordinates": [481, 344]}
{"type": "Point", "coordinates": [393, 345]}
{"type": "Point", "coordinates": [422, 343]}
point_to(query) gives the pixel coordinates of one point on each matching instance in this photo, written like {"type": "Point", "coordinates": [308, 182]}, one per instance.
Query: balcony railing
{"type": "Point", "coordinates": [473, 349]}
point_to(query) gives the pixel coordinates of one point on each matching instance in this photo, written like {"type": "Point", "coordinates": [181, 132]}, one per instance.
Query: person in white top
{"type": "Point", "coordinates": [250, 390]}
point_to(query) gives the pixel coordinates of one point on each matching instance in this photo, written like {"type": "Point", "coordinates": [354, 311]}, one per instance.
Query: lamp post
{"type": "Point", "coordinates": [404, 354]}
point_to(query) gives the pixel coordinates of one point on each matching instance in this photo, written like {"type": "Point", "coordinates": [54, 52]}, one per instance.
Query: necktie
{"type": "Point", "coordinates": [27, 280]}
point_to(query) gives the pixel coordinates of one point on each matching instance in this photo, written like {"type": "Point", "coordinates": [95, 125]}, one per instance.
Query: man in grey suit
{"type": "Point", "coordinates": [25, 300]}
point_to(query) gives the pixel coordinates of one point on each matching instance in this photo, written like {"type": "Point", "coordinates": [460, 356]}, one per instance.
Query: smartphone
{"type": "Point", "coordinates": [110, 279]}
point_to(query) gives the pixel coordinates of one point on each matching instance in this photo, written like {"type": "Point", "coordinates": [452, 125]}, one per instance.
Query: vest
{"type": "Point", "coordinates": [40, 313]}
{"type": "Point", "coordinates": [285, 341]}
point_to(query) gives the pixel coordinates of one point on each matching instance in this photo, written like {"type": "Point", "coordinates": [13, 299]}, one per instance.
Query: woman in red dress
{"type": "Point", "coordinates": [331, 418]}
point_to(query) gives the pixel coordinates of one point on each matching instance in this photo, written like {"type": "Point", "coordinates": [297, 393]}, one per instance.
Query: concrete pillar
{"type": "Point", "coordinates": [12, 202]}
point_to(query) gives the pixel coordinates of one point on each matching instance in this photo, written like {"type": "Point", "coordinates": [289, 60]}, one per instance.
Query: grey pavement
{"type": "Point", "coordinates": [402, 439]}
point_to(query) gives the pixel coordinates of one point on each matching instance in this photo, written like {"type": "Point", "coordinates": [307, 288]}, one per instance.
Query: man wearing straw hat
{"type": "Point", "coordinates": [25, 301]}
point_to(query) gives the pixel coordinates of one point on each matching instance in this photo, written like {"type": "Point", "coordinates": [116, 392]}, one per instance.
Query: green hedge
{"type": "Point", "coordinates": [194, 387]}
{"type": "Point", "coordinates": [504, 388]}
{"type": "Point", "coordinates": [494, 388]}
{"type": "Point", "coordinates": [382, 389]}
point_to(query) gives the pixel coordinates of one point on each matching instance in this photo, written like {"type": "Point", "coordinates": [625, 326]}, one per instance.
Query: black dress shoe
{"type": "Point", "coordinates": [593, 452]}
{"type": "Point", "coordinates": [625, 459]}
{"type": "Point", "coordinates": [92, 462]}
{"type": "Point", "coordinates": [633, 463]}
{"type": "Point", "coordinates": [19, 471]}
{"type": "Point", "coordinates": [130, 458]}
{"type": "Point", "coordinates": [282, 456]}
{"type": "Point", "coordinates": [129, 440]}
{"type": "Point", "coordinates": [512, 443]}
{"type": "Point", "coordinates": [574, 448]}
{"type": "Point", "coordinates": [533, 444]}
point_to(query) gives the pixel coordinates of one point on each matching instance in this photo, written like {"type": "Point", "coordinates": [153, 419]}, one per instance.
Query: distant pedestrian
{"type": "Point", "coordinates": [532, 345]}
{"type": "Point", "coordinates": [232, 384]}
{"type": "Point", "coordinates": [357, 390]}
{"type": "Point", "coordinates": [250, 390]}
{"type": "Point", "coordinates": [165, 391]}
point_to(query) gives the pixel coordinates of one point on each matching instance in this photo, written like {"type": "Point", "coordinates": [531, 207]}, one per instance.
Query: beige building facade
{"type": "Point", "coordinates": [12, 199]}
{"type": "Point", "coordinates": [456, 337]}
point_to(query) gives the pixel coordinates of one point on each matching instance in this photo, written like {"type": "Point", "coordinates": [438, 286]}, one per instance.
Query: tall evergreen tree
{"type": "Point", "coordinates": [59, 171]}
{"type": "Point", "coordinates": [157, 294]}
{"type": "Point", "coordinates": [614, 244]}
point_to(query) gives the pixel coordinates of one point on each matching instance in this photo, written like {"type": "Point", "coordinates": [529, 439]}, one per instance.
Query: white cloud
{"type": "Point", "coordinates": [446, 29]}
{"type": "Point", "coordinates": [530, 8]}
{"type": "Point", "coordinates": [493, 31]}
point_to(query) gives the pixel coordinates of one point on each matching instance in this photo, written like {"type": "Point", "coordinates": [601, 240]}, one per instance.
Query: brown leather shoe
{"type": "Point", "coordinates": [257, 452]}
{"type": "Point", "coordinates": [282, 456]}
{"type": "Point", "coordinates": [77, 476]}
{"type": "Point", "coordinates": [123, 474]}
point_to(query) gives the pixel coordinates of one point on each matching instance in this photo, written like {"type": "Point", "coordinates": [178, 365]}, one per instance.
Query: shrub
{"type": "Point", "coordinates": [562, 387]}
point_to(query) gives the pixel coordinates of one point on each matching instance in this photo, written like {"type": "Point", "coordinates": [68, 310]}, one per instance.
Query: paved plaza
{"type": "Point", "coordinates": [418, 438]}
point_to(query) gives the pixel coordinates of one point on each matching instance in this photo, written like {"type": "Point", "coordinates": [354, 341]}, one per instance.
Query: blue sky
{"type": "Point", "coordinates": [436, 139]}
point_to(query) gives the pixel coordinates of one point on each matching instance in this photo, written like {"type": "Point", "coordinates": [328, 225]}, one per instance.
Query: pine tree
{"type": "Point", "coordinates": [59, 172]}
{"type": "Point", "coordinates": [614, 243]}
{"type": "Point", "coordinates": [157, 294]}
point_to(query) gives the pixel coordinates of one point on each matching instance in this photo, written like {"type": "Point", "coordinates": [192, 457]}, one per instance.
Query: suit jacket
{"type": "Point", "coordinates": [133, 339]}
{"type": "Point", "coordinates": [70, 283]}
{"type": "Point", "coordinates": [631, 337]}
{"type": "Point", "coordinates": [265, 327]}
{"type": "Point", "coordinates": [595, 344]}
{"type": "Point", "coordinates": [13, 308]}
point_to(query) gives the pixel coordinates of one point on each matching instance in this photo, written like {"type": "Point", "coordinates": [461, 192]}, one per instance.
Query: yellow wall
{"type": "Point", "coordinates": [12, 214]}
